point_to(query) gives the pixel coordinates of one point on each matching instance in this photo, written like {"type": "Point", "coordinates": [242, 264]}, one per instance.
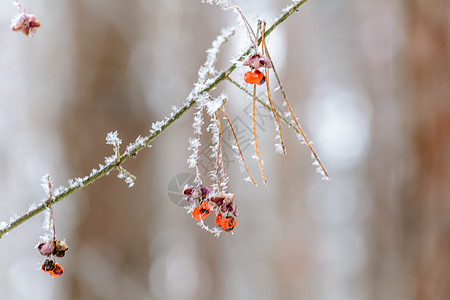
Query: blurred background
{"type": "Point", "coordinates": [368, 81]}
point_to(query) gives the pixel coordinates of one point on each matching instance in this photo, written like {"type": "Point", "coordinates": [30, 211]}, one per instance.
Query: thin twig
{"type": "Point", "coordinates": [247, 25]}
{"type": "Point", "coordinates": [14, 222]}
{"type": "Point", "coordinates": [239, 148]}
{"type": "Point", "coordinates": [197, 170]}
{"type": "Point", "coordinates": [219, 150]}
{"type": "Point", "coordinates": [52, 217]}
{"type": "Point", "coordinates": [300, 130]}
{"type": "Point", "coordinates": [294, 126]}
{"type": "Point", "coordinates": [255, 140]}
{"type": "Point", "coordinates": [272, 107]}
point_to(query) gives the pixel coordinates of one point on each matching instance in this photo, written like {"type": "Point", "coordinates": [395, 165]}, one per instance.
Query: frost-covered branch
{"type": "Point", "coordinates": [116, 161]}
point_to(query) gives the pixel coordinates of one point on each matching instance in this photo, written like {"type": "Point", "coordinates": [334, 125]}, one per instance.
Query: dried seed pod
{"type": "Point", "coordinates": [199, 193]}
{"type": "Point", "coordinates": [231, 208]}
{"type": "Point", "coordinates": [224, 202]}
{"type": "Point", "coordinates": [228, 197]}
{"type": "Point", "coordinates": [256, 61]}
{"type": "Point", "coordinates": [25, 22]}
{"type": "Point", "coordinates": [47, 248]}
{"type": "Point", "coordinates": [60, 248]}
{"type": "Point", "coordinates": [217, 201]}
{"type": "Point", "coordinates": [205, 191]}
{"type": "Point", "coordinates": [53, 247]}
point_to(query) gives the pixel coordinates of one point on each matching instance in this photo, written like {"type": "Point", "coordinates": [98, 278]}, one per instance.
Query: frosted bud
{"type": "Point", "coordinates": [256, 61]}
{"type": "Point", "coordinates": [46, 248]}
{"type": "Point", "coordinates": [25, 22]}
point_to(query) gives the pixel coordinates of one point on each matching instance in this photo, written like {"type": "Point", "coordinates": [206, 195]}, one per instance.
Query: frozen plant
{"type": "Point", "coordinates": [202, 200]}
{"type": "Point", "coordinates": [23, 21]}
{"type": "Point", "coordinates": [49, 246]}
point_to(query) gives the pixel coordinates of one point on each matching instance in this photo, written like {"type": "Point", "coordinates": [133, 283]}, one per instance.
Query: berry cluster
{"type": "Point", "coordinates": [52, 268]}
{"type": "Point", "coordinates": [256, 61]}
{"type": "Point", "coordinates": [204, 201]}
{"type": "Point", "coordinates": [52, 248]}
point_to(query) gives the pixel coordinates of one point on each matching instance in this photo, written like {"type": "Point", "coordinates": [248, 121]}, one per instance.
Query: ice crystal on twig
{"type": "Point", "coordinates": [46, 184]}
{"type": "Point", "coordinates": [213, 105]}
{"type": "Point", "coordinates": [290, 6]}
{"type": "Point", "coordinates": [3, 225]}
{"type": "Point", "coordinates": [222, 3]}
{"type": "Point", "coordinates": [139, 142]}
{"type": "Point", "coordinates": [208, 70]}
{"type": "Point", "coordinates": [112, 138]}
{"type": "Point", "coordinates": [127, 176]}
{"type": "Point", "coordinates": [213, 128]}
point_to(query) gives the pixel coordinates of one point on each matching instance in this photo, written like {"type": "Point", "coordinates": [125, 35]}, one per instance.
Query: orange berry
{"type": "Point", "coordinates": [57, 271]}
{"type": "Point", "coordinates": [219, 220]}
{"type": "Point", "coordinates": [205, 209]}
{"type": "Point", "coordinates": [255, 77]}
{"type": "Point", "coordinates": [196, 214]}
{"type": "Point", "coordinates": [201, 213]}
{"type": "Point", "coordinates": [48, 266]}
{"type": "Point", "coordinates": [228, 224]}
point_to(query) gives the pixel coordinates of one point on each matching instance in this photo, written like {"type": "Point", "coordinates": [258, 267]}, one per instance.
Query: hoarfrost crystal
{"type": "Point", "coordinates": [112, 138]}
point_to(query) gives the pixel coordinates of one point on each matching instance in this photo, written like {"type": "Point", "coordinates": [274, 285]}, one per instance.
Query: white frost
{"type": "Point", "coordinates": [3, 225]}
{"type": "Point", "coordinates": [215, 104]}
{"type": "Point", "coordinates": [110, 159]}
{"type": "Point", "coordinates": [139, 142]}
{"type": "Point", "coordinates": [46, 183]}
{"type": "Point", "coordinates": [112, 138]}
{"type": "Point", "coordinates": [278, 148]}
{"type": "Point", "coordinates": [290, 6]}
{"type": "Point", "coordinates": [222, 3]}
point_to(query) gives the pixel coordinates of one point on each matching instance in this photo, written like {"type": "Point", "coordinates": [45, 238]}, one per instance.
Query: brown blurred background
{"type": "Point", "coordinates": [369, 82]}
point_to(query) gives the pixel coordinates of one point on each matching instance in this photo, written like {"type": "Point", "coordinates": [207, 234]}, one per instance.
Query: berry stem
{"type": "Point", "coordinates": [219, 150]}
{"type": "Point", "coordinates": [239, 148]}
{"type": "Point", "coordinates": [50, 196]}
{"type": "Point", "coordinates": [247, 25]}
{"type": "Point", "coordinates": [254, 135]}
{"type": "Point", "coordinates": [197, 169]}
{"type": "Point", "coordinates": [272, 107]}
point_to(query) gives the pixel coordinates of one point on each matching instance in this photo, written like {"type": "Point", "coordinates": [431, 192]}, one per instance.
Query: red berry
{"type": "Point", "coordinates": [219, 220]}
{"type": "Point", "coordinates": [205, 209]}
{"type": "Point", "coordinates": [196, 214]}
{"type": "Point", "coordinates": [255, 77]}
{"type": "Point", "coordinates": [48, 266]}
{"type": "Point", "coordinates": [199, 213]}
{"type": "Point", "coordinates": [57, 271]}
{"type": "Point", "coordinates": [228, 224]}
